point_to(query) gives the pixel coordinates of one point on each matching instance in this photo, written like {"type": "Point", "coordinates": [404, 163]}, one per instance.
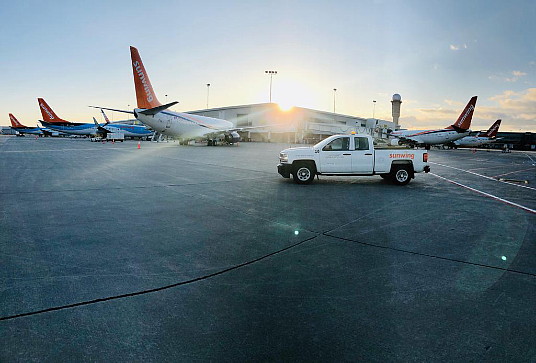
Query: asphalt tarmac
{"type": "Point", "coordinates": [191, 253]}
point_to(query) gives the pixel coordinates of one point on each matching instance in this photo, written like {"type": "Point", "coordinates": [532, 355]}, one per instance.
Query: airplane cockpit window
{"type": "Point", "coordinates": [339, 144]}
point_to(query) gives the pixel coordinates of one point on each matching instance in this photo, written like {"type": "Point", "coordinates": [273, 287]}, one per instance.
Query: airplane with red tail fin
{"type": "Point", "coordinates": [20, 128]}
{"type": "Point", "coordinates": [182, 125]}
{"type": "Point", "coordinates": [457, 130]}
{"type": "Point", "coordinates": [53, 122]}
{"type": "Point", "coordinates": [481, 138]}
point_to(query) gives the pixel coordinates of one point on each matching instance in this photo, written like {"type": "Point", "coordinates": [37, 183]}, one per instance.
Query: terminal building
{"type": "Point", "coordinates": [299, 125]}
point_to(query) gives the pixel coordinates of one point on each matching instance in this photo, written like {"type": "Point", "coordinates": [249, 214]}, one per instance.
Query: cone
{"type": "Point", "coordinates": [139, 145]}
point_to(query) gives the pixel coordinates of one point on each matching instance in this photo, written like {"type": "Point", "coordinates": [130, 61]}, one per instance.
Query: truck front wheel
{"type": "Point", "coordinates": [303, 173]}
{"type": "Point", "coordinates": [401, 175]}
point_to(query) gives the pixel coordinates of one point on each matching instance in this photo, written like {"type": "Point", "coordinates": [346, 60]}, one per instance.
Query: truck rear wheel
{"type": "Point", "coordinates": [304, 173]}
{"type": "Point", "coordinates": [401, 175]}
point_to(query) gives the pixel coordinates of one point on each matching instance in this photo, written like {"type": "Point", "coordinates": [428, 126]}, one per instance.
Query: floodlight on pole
{"type": "Point", "coordinates": [271, 73]}
{"type": "Point", "coordinates": [334, 91]}
{"type": "Point", "coordinates": [373, 108]}
{"type": "Point", "coordinates": [208, 88]}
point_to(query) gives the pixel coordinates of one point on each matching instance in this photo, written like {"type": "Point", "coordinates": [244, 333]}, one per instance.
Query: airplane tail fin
{"type": "Point", "coordinates": [105, 117]}
{"type": "Point", "coordinates": [464, 120]}
{"type": "Point", "coordinates": [492, 131]}
{"type": "Point", "coordinates": [47, 113]}
{"type": "Point", "coordinates": [14, 121]}
{"type": "Point", "coordinates": [144, 91]}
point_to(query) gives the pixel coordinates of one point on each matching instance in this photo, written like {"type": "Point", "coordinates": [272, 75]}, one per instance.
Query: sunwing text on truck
{"type": "Point", "coordinates": [351, 155]}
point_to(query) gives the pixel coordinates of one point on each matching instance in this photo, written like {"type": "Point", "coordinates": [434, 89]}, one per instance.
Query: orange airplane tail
{"type": "Point", "coordinates": [14, 121]}
{"type": "Point", "coordinates": [464, 120]}
{"type": "Point", "coordinates": [144, 91]}
{"type": "Point", "coordinates": [47, 113]}
{"type": "Point", "coordinates": [492, 131]}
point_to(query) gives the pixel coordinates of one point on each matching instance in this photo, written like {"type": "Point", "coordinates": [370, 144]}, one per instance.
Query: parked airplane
{"type": "Point", "coordinates": [52, 121]}
{"type": "Point", "coordinates": [17, 126]}
{"type": "Point", "coordinates": [453, 132]}
{"type": "Point", "coordinates": [481, 138]}
{"type": "Point", "coordinates": [181, 125]}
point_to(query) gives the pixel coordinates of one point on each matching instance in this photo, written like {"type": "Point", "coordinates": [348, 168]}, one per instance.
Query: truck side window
{"type": "Point", "coordinates": [361, 143]}
{"type": "Point", "coordinates": [340, 144]}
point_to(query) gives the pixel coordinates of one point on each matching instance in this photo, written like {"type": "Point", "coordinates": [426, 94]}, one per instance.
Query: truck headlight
{"type": "Point", "coordinates": [283, 158]}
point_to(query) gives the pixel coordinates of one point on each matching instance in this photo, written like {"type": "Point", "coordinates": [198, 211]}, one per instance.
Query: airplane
{"type": "Point", "coordinates": [17, 126]}
{"type": "Point", "coordinates": [178, 124]}
{"type": "Point", "coordinates": [52, 121]}
{"type": "Point", "coordinates": [481, 138]}
{"type": "Point", "coordinates": [453, 132]}
{"type": "Point", "coordinates": [141, 131]}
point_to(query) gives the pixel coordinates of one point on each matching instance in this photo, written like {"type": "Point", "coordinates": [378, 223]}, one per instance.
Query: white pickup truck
{"type": "Point", "coordinates": [351, 155]}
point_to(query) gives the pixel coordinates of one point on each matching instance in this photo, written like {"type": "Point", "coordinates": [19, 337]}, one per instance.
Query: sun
{"type": "Point", "coordinates": [289, 92]}
{"type": "Point", "coordinates": [285, 106]}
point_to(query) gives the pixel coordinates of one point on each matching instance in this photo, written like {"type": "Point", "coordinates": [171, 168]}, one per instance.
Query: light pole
{"type": "Point", "coordinates": [208, 88]}
{"type": "Point", "coordinates": [334, 91]}
{"type": "Point", "coordinates": [271, 73]}
{"type": "Point", "coordinates": [373, 108]}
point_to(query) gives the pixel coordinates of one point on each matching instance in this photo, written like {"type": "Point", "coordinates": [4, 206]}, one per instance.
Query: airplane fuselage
{"type": "Point", "coordinates": [91, 129]}
{"type": "Point", "coordinates": [28, 130]}
{"type": "Point", "coordinates": [473, 141]}
{"type": "Point", "coordinates": [430, 137]}
{"type": "Point", "coordinates": [129, 130]}
{"type": "Point", "coordinates": [183, 125]}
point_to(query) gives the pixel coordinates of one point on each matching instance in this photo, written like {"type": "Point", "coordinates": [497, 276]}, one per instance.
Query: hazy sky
{"type": "Point", "coordinates": [436, 54]}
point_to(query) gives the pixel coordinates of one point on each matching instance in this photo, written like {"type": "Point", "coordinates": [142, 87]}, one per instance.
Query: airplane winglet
{"type": "Point", "coordinates": [100, 129]}
{"type": "Point", "coordinates": [155, 110]}
{"type": "Point", "coordinates": [105, 117]}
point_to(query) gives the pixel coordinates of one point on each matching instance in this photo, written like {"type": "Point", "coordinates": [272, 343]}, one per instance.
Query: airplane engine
{"type": "Point", "coordinates": [232, 138]}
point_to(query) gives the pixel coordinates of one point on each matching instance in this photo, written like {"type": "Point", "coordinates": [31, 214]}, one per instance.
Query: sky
{"type": "Point", "coordinates": [435, 54]}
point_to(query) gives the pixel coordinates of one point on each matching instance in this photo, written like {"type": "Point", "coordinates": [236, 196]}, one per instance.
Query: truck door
{"type": "Point", "coordinates": [336, 157]}
{"type": "Point", "coordinates": [362, 156]}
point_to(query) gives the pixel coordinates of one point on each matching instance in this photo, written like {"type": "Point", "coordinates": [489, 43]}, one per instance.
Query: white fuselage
{"type": "Point", "coordinates": [184, 125]}
{"type": "Point", "coordinates": [473, 141]}
{"type": "Point", "coordinates": [430, 137]}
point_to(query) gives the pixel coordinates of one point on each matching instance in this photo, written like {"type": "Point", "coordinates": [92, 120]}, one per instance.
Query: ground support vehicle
{"type": "Point", "coordinates": [354, 155]}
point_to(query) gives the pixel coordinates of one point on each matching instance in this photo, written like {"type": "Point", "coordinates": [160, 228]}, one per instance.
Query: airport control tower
{"type": "Point", "coordinates": [396, 102]}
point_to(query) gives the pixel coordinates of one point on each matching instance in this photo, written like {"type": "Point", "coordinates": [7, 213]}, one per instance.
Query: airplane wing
{"type": "Point", "coordinates": [113, 109]}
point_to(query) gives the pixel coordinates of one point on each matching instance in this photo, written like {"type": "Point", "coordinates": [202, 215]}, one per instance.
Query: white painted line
{"type": "Point", "coordinates": [533, 211]}
{"type": "Point", "coordinates": [512, 172]}
{"type": "Point", "coordinates": [531, 159]}
{"type": "Point", "coordinates": [483, 176]}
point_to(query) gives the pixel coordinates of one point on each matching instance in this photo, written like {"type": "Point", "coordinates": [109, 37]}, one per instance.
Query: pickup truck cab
{"type": "Point", "coordinates": [351, 155]}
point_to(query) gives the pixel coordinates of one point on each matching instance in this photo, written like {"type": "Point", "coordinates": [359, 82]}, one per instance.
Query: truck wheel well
{"type": "Point", "coordinates": [402, 162]}
{"type": "Point", "coordinates": [311, 163]}
{"type": "Point", "coordinates": [406, 164]}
